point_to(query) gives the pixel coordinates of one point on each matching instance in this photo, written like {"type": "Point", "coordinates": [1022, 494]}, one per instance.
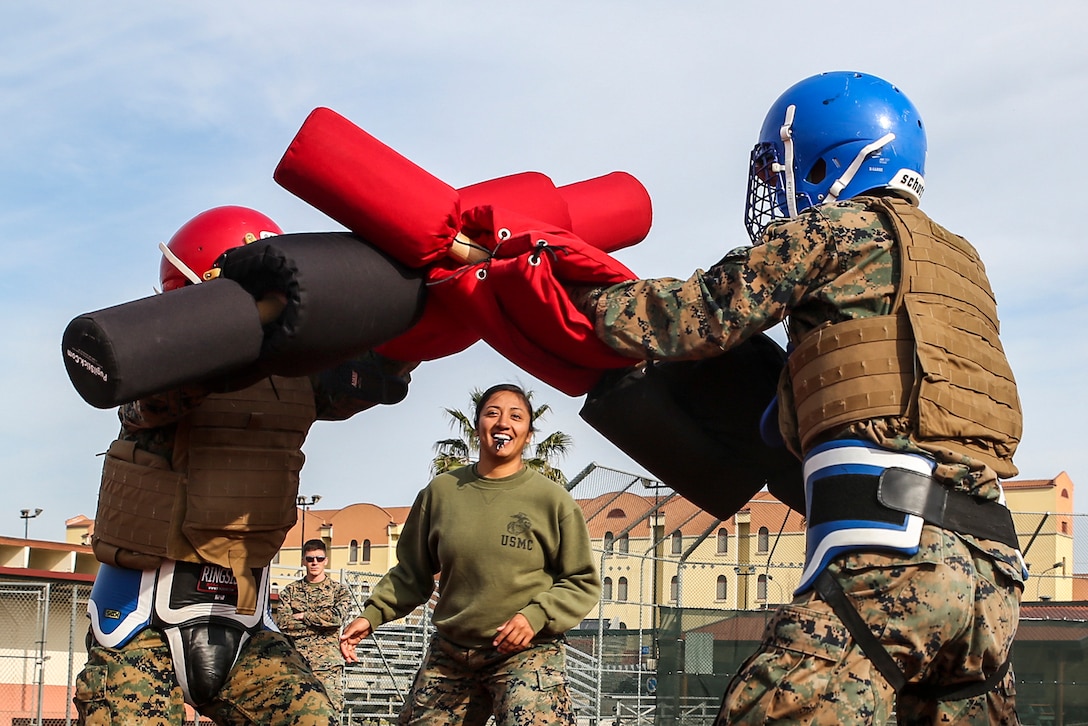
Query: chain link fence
{"type": "Point", "coordinates": [685, 600]}
{"type": "Point", "coordinates": [42, 650]}
{"type": "Point", "coordinates": [687, 596]}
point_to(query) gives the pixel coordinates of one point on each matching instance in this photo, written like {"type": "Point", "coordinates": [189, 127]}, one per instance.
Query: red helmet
{"type": "Point", "coordinates": [200, 241]}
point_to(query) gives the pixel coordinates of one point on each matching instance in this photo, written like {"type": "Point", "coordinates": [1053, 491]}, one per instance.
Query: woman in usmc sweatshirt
{"type": "Point", "coordinates": [516, 570]}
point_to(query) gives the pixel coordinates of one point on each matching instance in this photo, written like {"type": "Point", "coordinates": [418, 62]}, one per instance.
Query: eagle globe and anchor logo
{"type": "Point", "coordinates": [517, 528]}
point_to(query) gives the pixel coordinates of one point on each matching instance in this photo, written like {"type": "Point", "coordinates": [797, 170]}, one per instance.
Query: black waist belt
{"type": "Point", "coordinates": [913, 493]}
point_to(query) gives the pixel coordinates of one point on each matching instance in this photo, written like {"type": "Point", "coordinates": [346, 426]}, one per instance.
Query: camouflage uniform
{"type": "Point", "coordinates": [946, 614]}
{"type": "Point", "coordinates": [270, 684]}
{"type": "Point", "coordinates": [466, 686]}
{"type": "Point", "coordinates": [326, 606]}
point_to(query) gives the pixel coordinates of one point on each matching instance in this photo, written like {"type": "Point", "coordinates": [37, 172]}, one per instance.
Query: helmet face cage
{"type": "Point", "coordinates": [834, 136]}
{"type": "Point", "coordinates": [767, 184]}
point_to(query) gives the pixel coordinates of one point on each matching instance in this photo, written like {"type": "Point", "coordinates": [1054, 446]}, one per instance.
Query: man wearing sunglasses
{"type": "Point", "coordinates": [311, 612]}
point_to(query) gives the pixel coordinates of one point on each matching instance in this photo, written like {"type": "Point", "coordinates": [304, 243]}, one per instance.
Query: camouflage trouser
{"type": "Point", "coordinates": [332, 677]}
{"type": "Point", "coordinates": [946, 615]}
{"type": "Point", "coordinates": [458, 685]}
{"type": "Point", "coordinates": [322, 652]}
{"type": "Point", "coordinates": [135, 684]}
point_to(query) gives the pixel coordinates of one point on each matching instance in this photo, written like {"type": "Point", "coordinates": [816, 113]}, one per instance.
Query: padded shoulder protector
{"type": "Point", "coordinates": [696, 426]}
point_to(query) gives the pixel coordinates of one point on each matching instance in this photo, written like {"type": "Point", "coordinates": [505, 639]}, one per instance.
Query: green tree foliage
{"type": "Point", "coordinates": [542, 454]}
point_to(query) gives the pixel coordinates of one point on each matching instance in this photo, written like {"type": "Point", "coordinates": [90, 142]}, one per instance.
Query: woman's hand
{"type": "Point", "coordinates": [356, 630]}
{"type": "Point", "coordinates": [515, 635]}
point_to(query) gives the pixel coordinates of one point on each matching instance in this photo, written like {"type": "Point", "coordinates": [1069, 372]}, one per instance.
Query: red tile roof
{"type": "Point", "coordinates": [1067, 611]}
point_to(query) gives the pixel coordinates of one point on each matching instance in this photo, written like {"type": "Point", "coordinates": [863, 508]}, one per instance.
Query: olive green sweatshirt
{"type": "Point", "coordinates": [518, 544]}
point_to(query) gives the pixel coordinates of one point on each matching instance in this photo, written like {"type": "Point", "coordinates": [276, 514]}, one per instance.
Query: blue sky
{"type": "Point", "coordinates": [122, 120]}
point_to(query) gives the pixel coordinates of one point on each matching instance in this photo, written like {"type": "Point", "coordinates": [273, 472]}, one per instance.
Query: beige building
{"type": "Point", "coordinates": [655, 552]}
{"type": "Point", "coordinates": [1043, 512]}
{"type": "Point", "coordinates": [665, 551]}
{"type": "Point", "coordinates": [662, 550]}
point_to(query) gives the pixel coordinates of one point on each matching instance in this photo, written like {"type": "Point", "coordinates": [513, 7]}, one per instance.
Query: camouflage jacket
{"type": "Point", "coordinates": [834, 262]}
{"type": "Point", "coordinates": [325, 606]}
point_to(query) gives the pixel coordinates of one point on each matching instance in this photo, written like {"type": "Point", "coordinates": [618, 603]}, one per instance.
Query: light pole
{"type": "Point", "coordinates": [657, 537]}
{"type": "Point", "coordinates": [26, 516]}
{"type": "Point", "coordinates": [1039, 581]}
{"type": "Point", "coordinates": [305, 503]}
{"type": "Point", "coordinates": [781, 591]}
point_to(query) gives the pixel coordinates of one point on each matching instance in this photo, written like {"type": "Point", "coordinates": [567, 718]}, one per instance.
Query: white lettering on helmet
{"type": "Point", "coordinates": [910, 182]}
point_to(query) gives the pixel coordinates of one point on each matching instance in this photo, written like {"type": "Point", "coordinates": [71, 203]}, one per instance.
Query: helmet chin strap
{"type": "Point", "coordinates": [785, 132]}
{"type": "Point", "coordinates": [181, 266]}
{"type": "Point", "coordinates": [848, 175]}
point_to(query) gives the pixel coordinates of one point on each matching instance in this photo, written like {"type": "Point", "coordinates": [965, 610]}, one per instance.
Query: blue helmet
{"type": "Point", "coordinates": [834, 136]}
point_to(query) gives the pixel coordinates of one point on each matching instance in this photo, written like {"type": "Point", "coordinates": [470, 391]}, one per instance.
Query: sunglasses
{"type": "Point", "coordinates": [314, 558]}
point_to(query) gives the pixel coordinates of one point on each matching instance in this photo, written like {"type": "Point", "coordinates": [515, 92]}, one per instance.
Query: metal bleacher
{"type": "Point", "coordinates": [375, 687]}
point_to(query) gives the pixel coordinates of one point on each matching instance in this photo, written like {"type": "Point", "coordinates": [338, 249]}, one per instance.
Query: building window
{"type": "Point", "coordinates": [353, 552]}
{"type": "Point", "coordinates": [723, 588]}
{"type": "Point", "coordinates": [763, 541]}
{"type": "Point", "coordinates": [616, 514]}
{"type": "Point", "coordinates": [621, 589]}
{"type": "Point", "coordinates": [723, 541]}
{"type": "Point", "coordinates": [1065, 493]}
{"type": "Point", "coordinates": [761, 587]}
{"type": "Point", "coordinates": [674, 588]}
{"type": "Point", "coordinates": [608, 537]}
{"type": "Point", "coordinates": [622, 544]}
{"type": "Point", "coordinates": [677, 543]}
{"type": "Point", "coordinates": [275, 558]}
{"type": "Point", "coordinates": [606, 589]}
{"type": "Point", "coordinates": [366, 550]}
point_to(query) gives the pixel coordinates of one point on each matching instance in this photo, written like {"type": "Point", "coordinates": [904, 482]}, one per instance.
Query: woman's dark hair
{"type": "Point", "coordinates": [499, 388]}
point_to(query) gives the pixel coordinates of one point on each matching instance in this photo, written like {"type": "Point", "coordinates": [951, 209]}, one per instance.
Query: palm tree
{"type": "Point", "coordinates": [465, 447]}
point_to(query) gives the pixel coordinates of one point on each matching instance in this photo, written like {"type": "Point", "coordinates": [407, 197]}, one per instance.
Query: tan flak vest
{"type": "Point", "coordinates": [936, 359]}
{"type": "Point", "coordinates": [228, 496]}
